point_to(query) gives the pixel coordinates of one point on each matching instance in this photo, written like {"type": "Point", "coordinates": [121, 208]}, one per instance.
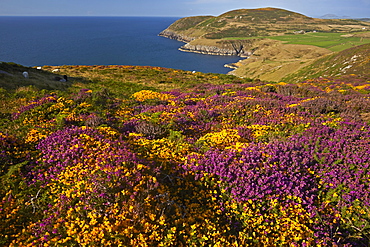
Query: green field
{"type": "Point", "coordinates": [331, 41]}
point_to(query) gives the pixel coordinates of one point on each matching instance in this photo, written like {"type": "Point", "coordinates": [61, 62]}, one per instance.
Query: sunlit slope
{"type": "Point", "coordinates": [259, 22]}
{"type": "Point", "coordinates": [354, 60]}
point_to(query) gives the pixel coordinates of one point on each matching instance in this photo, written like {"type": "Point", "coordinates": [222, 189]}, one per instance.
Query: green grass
{"type": "Point", "coordinates": [331, 41]}
{"type": "Point", "coordinates": [334, 64]}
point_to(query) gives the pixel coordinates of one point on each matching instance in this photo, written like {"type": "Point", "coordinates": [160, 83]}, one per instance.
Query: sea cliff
{"type": "Point", "coordinates": [217, 47]}
{"type": "Point", "coordinates": [176, 36]}
{"type": "Point", "coordinates": [214, 50]}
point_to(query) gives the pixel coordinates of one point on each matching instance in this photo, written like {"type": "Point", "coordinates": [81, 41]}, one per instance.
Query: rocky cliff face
{"type": "Point", "coordinates": [215, 50]}
{"type": "Point", "coordinates": [229, 48]}
{"type": "Point", "coordinates": [176, 36]}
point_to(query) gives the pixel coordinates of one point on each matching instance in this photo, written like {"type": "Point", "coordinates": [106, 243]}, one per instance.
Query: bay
{"type": "Point", "coordinates": [38, 41]}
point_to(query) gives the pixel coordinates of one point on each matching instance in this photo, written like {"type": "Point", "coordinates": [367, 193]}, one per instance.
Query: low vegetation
{"type": "Point", "coordinates": [350, 61]}
{"type": "Point", "coordinates": [148, 156]}
{"type": "Point", "coordinates": [330, 41]}
{"type": "Point", "coordinates": [296, 63]}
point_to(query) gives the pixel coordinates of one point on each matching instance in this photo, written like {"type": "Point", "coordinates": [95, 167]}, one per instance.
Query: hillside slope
{"type": "Point", "coordinates": [354, 60]}
{"type": "Point", "coordinates": [257, 22]}
{"type": "Point", "coordinates": [273, 60]}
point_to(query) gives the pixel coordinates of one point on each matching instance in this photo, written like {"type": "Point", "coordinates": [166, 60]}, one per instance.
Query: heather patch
{"type": "Point", "coordinates": [212, 165]}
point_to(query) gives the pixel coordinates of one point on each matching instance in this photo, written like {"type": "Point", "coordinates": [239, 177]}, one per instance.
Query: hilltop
{"type": "Point", "coordinates": [270, 37]}
{"type": "Point", "coordinates": [257, 22]}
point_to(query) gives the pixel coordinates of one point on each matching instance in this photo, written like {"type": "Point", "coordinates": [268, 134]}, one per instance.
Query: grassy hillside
{"type": "Point", "coordinates": [332, 41]}
{"type": "Point", "coordinates": [119, 81]}
{"type": "Point", "coordinates": [274, 61]}
{"type": "Point", "coordinates": [246, 23]}
{"type": "Point", "coordinates": [351, 61]}
{"type": "Point", "coordinates": [147, 156]}
{"type": "Point", "coordinates": [11, 77]}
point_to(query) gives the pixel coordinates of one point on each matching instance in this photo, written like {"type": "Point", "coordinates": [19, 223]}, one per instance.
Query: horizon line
{"type": "Point", "coordinates": [92, 16]}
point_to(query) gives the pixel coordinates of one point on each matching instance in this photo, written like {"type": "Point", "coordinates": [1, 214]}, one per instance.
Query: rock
{"type": "Point", "coordinates": [5, 73]}
{"type": "Point", "coordinates": [172, 35]}
{"type": "Point", "coordinates": [214, 50]}
{"type": "Point", "coordinates": [229, 49]}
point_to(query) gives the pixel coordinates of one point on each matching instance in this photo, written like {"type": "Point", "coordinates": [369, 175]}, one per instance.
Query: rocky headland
{"type": "Point", "coordinates": [223, 49]}
{"type": "Point", "coordinates": [176, 36]}
{"type": "Point", "coordinates": [216, 48]}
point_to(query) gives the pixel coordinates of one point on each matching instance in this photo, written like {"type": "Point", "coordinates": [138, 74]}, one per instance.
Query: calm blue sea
{"type": "Point", "coordinates": [37, 41]}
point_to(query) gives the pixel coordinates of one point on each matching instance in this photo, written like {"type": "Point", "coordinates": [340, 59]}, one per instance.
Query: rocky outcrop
{"type": "Point", "coordinates": [226, 49]}
{"type": "Point", "coordinates": [214, 50]}
{"type": "Point", "coordinates": [5, 73]}
{"type": "Point", "coordinates": [176, 36]}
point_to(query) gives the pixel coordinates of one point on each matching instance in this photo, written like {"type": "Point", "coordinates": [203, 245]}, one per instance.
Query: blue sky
{"type": "Point", "coordinates": [177, 8]}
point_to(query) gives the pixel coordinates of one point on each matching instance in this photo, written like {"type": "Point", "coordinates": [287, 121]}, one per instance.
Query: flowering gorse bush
{"type": "Point", "coordinates": [215, 165]}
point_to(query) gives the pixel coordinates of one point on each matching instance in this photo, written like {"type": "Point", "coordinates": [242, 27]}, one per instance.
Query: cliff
{"type": "Point", "coordinates": [241, 48]}
{"type": "Point", "coordinates": [176, 36]}
{"type": "Point", "coordinates": [214, 50]}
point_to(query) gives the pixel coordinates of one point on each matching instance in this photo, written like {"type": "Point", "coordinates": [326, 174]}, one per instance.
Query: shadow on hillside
{"type": "Point", "coordinates": [11, 77]}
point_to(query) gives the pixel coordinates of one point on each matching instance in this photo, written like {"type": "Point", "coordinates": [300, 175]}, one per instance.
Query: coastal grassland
{"type": "Point", "coordinates": [184, 24]}
{"type": "Point", "coordinates": [184, 159]}
{"type": "Point", "coordinates": [354, 60]}
{"type": "Point", "coordinates": [332, 41]}
{"type": "Point", "coordinates": [13, 78]}
{"type": "Point", "coordinates": [282, 60]}
{"type": "Point", "coordinates": [272, 60]}
{"type": "Point", "coordinates": [117, 81]}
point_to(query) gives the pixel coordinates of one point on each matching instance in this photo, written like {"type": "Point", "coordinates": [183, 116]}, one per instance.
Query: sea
{"type": "Point", "coordinates": [39, 41]}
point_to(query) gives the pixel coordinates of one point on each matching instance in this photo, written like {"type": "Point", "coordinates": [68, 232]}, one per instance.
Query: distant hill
{"type": "Point", "coordinates": [245, 23]}
{"type": "Point", "coordinates": [332, 16]}
{"type": "Point", "coordinates": [364, 19]}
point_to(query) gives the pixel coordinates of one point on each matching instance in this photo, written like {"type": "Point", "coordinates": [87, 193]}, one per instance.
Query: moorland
{"type": "Point", "coordinates": [150, 156]}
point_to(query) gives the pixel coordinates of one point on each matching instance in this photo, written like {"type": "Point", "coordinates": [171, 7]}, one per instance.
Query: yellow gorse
{"type": "Point", "coordinates": [148, 94]}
